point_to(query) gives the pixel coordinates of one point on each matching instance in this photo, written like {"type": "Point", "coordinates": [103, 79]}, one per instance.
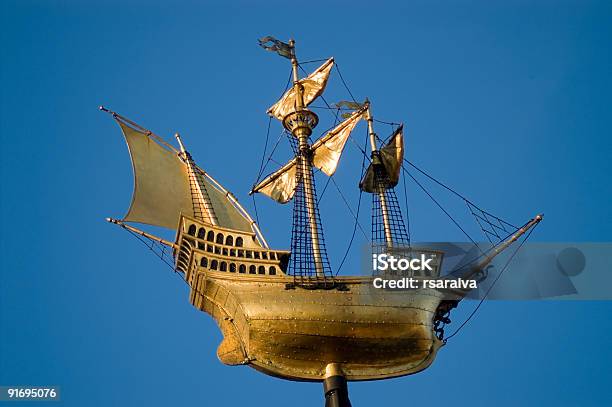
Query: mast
{"type": "Point", "coordinates": [380, 189]}
{"type": "Point", "coordinates": [202, 207]}
{"type": "Point", "coordinates": [300, 124]}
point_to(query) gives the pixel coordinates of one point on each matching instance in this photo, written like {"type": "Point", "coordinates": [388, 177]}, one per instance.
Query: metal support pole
{"type": "Point", "coordinates": [335, 387]}
{"type": "Point", "coordinates": [380, 189]}
{"type": "Point", "coordinates": [302, 133]}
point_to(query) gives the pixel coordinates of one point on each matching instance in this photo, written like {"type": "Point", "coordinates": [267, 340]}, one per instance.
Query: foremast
{"type": "Point", "coordinates": [380, 179]}
{"type": "Point", "coordinates": [380, 189]}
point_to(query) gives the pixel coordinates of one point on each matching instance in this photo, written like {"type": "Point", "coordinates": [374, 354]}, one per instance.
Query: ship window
{"type": "Point", "coordinates": [272, 256]}
{"type": "Point", "coordinates": [192, 230]}
{"type": "Point", "coordinates": [264, 255]}
{"type": "Point", "coordinates": [272, 271]}
{"type": "Point", "coordinates": [252, 269]}
{"type": "Point", "coordinates": [261, 270]}
{"type": "Point", "coordinates": [201, 233]}
{"type": "Point", "coordinates": [201, 245]}
{"type": "Point", "coordinates": [249, 254]}
{"type": "Point", "coordinates": [209, 248]}
{"type": "Point", "coordinates": [225, 251]}
{"type": "Point", "coordinates": [229, 241]}
{"type": "Point", "coordinates": [240, 253]}
{"type": "Point", "coordinates": [232, 267]}
{"type": "Point", "coordinates": [242, 269]}
{"type": "Point", "coordinates": [256, 255]}
{"type": "Point", "coordinates": [210, 236]}
{"type": "Point", "coordinates": [204, 262]}
{"type": "Point", "coordinates": [239, 242]}
{"type": "Point", "coordinates": [233, 252]}
{"type": "Point", "coordinates": [223, 266]}
{"type": "Point", "coordinates": [213, 264]}
{"type": "Point", "coordinates": [217, 250]}
{"type": "Point", "coordinates": [220, 238]}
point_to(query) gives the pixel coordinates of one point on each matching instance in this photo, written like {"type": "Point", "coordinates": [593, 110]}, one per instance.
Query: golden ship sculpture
{"type": "Point", "coordinates": [284, 312]}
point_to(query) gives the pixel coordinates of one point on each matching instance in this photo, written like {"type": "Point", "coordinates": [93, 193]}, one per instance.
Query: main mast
{"type": "Point", "coordinates": [300, 124]}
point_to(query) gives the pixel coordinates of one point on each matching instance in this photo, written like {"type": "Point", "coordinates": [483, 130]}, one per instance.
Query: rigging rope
{"type": "Point", "coordinates": [389, 123]}
{"type": "Point", "coordinates": [325, 101]}
{"type": "Point", "coordinates": [457, 193]}
{"type": "Point", "coordinates": [162, 254]}
{"type": "Point", "coordinates": [263, 155]}
{"type": "Point", "coordinates": [312, 61]}
{"type": "Point", "coordinates": [407, 212]}
{"type": "Point", "coordinates": [442, 208]}
{"type": "Point", "coordinates": [349, 207]}
{"type": "Point", "coordinates": [358, 208]}
{"type": "Point", "coordinates": [492, 285]}
{"type": "Point", "coordinates": [344, 83]}
{"type": "Point", "coordinates": [262, 165]}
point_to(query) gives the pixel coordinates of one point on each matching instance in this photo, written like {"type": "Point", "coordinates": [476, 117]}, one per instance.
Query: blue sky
{"type": "Point", "coordinates": [508, 102]}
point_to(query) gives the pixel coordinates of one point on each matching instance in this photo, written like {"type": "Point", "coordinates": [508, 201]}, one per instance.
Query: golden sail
{"type": "Point", "coordinates": [326, 153]}
{"type": "Point", "coordinates": [391, 157]}
{"type": "Point", "coordinates": [285, 312]}
{"type": "Point", "coordinates": [313, 86]}
{"type": "Point", "coordinates": [162, 188]}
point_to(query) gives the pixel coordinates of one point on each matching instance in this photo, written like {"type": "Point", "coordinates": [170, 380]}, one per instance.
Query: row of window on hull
{"type": "Point", "coordinates": [240, 268]}
{"type": "Point", "coordinates": [219, 238]}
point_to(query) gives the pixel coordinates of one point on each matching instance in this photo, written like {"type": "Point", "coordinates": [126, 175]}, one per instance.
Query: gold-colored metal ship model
{"type": "Point", "coordinates": [284, 312]}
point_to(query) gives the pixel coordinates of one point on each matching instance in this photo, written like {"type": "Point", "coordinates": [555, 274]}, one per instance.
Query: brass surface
{"type": "Point", "coordinates": [326, 153]}
{"type": "Point", "coordinates": [311, 87]}
{"type": "Point", "coordinates": [295, 333]}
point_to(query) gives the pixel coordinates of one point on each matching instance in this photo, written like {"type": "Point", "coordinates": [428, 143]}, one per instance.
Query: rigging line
{"type": "Point", "coordinates": [349, 207]}
{"type": "Point", "coordinates": [479, 224]}
{"type": "Point", "coordinates": [344, 82]}
{"type": "Point", "coordinates": [332, 108]}
{"type": "Point", "coordinates": [438, 182]}
{"type": "Point", "coordinates": [336, 110]}
{"type": "Point", "coordinates": [442, 208]}
{"type": "Point", "coordinates": [352, 235]}
{"type": "Point", "coordinates": [389, 123]}
{"type": "Point", "coordinates": [324, 189]}
{"type": "Point", "coordinates": [329, 178]}
{"type": "Point", "coordinates": [180, 276]}
{"type": "Point", "coordinates": [262, 165]}
{"type": "Point", "coordinates": [486, 252]}
{"type": "Point", "coordinates": [324, 101]}
{"type": "Point", "coordinates": [492, 285]}
{"type": "Point", "coordinates": [150, 246]}
{"type": "Point", "coordinates": [361, 150]}
{"type": "Point", "coordinates": [312, 61]}
{"type": "Point", "coordinates": [255, 207]}
{"type": "Point", "coordinates": [270, 157]}
{"type": "Point", "coordinates": [407, 211]}
{"type": "Point", "coordinates": [453, 191]}
{"type": "Point", "coordinates": [358, 209]}
{"type": "Point", "coordinates": [276, 162]}
{"type": "Point", "coordinates": [486, 218]}
{"type": "Point", "coordinates": [263, 154]}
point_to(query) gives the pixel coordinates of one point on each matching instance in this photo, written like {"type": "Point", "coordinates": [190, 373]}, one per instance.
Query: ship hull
{"type": "Point", "coordinates": [294, 333]}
